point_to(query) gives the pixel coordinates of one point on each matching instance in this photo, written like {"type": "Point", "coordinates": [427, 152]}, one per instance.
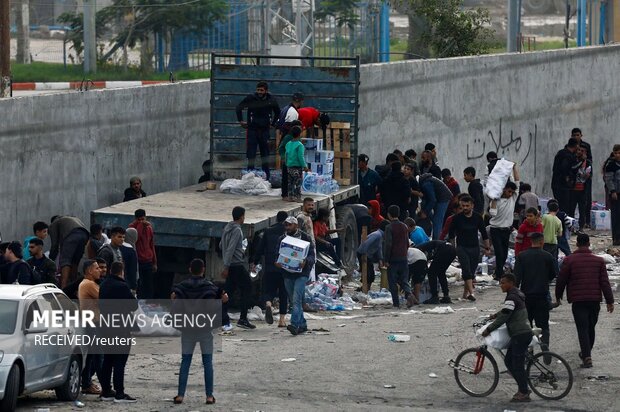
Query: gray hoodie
{"type": "Point", "coordinates": [231, 245]}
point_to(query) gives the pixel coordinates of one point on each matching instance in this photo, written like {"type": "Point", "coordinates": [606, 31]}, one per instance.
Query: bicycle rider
{"type": "Point", "coordinates": [514, 315]}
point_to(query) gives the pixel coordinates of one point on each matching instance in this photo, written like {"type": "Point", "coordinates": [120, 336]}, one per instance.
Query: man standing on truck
{"type": "Point", "coordinates": [69, 237]}
{"type": "Point", "coordinates": [260, 107]}
{"type": "Point", "coordinates": [235, 272]}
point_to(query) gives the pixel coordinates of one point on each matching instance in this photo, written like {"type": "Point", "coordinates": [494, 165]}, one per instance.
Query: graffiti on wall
{"type": "Point", "coordinates": [519, 148]}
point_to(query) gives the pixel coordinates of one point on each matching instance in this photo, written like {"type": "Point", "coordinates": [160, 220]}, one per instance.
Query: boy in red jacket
{"type": "Point", "coordinates": [530, 225]}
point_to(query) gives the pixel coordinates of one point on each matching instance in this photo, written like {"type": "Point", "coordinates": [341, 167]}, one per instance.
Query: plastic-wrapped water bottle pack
{"type": "Point", "coordinates": [315, 183]}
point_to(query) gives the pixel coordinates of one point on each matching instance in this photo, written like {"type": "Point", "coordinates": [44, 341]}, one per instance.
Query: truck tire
{"type": "Point", "coordinates": [345, 219]}
{"type": "Point", "coordinates": [538, 6]}
{"type": "Point", "coordinates": [11, 391]}
{"type": "Point", "coordinates": [70, 389]}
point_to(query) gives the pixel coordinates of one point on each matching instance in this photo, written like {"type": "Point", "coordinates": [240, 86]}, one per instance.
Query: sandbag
{"type": "Point", "coordinates": [498, 178]}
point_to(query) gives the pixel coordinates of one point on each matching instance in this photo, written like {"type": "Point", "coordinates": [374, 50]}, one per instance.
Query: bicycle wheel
{"type": "Point", "coordinates": [552, 379]}
{"type": "Point", "coordinates": [475, 371]}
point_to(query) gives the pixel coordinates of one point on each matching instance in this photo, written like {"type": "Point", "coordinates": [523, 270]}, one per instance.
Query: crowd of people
{"type": "Point", "coordinates": [420, 222]}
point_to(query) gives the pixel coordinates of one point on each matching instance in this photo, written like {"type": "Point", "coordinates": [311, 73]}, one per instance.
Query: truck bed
{"type": "Point", "coordinates": [188, 217]}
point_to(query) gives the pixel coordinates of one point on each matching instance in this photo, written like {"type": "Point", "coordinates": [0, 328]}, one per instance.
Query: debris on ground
{"type": "Point", "coordinates": [439, 310]}
{"type": "Point", "coordinates": [399, 338]}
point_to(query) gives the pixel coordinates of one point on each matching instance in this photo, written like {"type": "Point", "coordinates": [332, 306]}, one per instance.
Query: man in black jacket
{"type": "Point", "coordinates": [396, 190]}
{"type": "Point", "coordinates": [534, 269]}
{"type": "Point", "coordinates": [563, 178]}
{"type": "Point", "coordinates": [116, 301]}
{"type": "Point", "coordinates": [188, 296]}
{"type": "Point", "coordinates": [474, 189]}
{"type": "Point", "coordinates": [260, 106]}
{"type": "Point", "coordinates": [441, 254]}
{"type": "Point", "coordinates": [428, 165]}
{"type": "Point", "coordinates": [273, 281]}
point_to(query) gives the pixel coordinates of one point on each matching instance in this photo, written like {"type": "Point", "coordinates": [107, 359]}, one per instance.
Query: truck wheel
{"type": "Point", "coordinates": [537, 6]}
{"type": "Point", "coordinates": [70, 389]}
{"type": "Point", "coordinates": [11, 391]}
{"type": "Point", "coordinates": [345, 218]}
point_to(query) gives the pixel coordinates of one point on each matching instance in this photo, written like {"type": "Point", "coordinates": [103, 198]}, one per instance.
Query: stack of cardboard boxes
{"type": "Point", "coordinates": [319, 161]}
{"type": "Point", "coordinates": [292, 252]}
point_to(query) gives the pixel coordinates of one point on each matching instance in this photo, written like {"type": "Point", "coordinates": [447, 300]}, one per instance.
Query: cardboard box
{"type": "Point", "coordinates": [601, 219]}
{"type": "Point", "coordinates": [294, 248]}
{"type": "Point", "coordinates": [313, 144]}
{"type": "Point", "coordinates": [321, 156]}
{"type": "Point", "coordinates": [290, 264]}
{"type": "Point", "coordinates": [322, 168]}
{"type": "Point", "coordinates": [309, 155]}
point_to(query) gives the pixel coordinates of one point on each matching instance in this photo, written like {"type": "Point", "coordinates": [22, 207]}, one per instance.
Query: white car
{"type": "Point", "coordinates": [26, 365]}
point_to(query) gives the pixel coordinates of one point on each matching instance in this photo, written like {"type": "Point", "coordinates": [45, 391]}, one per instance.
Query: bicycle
{"type": "Point", "coordinates": [546, 371]}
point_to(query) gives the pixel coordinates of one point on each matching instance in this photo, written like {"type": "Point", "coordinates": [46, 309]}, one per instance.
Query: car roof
{"type": "Point", "coordinates": [17, 292]}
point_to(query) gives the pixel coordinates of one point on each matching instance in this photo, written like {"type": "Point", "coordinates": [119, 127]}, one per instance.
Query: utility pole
{"type": "Point", "coordinates": [5, 49]}
{"type": "Point", "coordinates": [22, 18]}
{"type": "Point", "coordinates": [514, 25]}
{"type": "Point", "coordinates": [90, 37]}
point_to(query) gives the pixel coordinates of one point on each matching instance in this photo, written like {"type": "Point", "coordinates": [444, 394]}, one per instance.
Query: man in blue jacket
{"type": "Point", "coordinates": [435, 202]}
{"type": "Point", "coordinates": [260, 107]}
{"type": "Point", "coordinates": [372, 247]}
{"type": "Point", "coordinates": [296, 282]}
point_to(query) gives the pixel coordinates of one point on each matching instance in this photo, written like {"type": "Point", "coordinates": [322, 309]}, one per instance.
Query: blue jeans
{"type": "Point", "coordinates": [398, 274]}
{"type": "Point", "coordinates": [438, 217]}
{"type": "Point", "coordinates": [296, 287]}
{"type": "Point", "coordinates": [92, 366]}
{"type": "Point", "coordinates": [188, 342]}
{"type": "Point", "coordinates": [563, 245]}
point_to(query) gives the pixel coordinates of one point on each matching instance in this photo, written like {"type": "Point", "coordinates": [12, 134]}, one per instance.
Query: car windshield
{"type": "Point", "coordinates": [8, 316]}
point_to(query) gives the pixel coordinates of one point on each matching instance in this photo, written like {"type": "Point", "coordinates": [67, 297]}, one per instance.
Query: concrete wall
{"type": "Point", "coordinates": [71, 153]}
{"type": "Point", "coordinates": [522, 106]}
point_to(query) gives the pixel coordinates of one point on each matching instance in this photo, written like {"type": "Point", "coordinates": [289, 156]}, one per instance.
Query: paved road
{"type": "Point", "coordinates": [348, 368]}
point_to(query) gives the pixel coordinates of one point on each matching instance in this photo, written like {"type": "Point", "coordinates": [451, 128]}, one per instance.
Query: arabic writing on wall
{"type": "Point", "coordinates": [516, 148]}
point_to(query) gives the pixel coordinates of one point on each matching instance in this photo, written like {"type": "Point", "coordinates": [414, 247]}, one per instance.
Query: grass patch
{"type": "Point", "coordinates": [56, 72]}
{"type": "Point", "coordinates": [500, 47]}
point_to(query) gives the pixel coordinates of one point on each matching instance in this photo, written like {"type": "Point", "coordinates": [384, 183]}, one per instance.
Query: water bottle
{"type": "Point", "coordinates": [484, 267]}
{"type": "Point", "coordinates": [256, 271]}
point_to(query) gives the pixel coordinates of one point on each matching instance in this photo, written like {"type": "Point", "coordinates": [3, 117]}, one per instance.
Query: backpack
{"type": "Point", "coordinates": [35, 276]}
{"type": "Point", "coordinates": [281, 119]}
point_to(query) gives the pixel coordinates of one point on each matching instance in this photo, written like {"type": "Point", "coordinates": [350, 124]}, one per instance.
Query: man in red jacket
{"type": "Point", "coordinates": [584, 275]}
{"type": "Point", "coordinates": [147, 259]}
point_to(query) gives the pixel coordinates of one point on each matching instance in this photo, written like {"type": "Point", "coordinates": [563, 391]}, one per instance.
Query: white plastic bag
{"type": "Point", "coordinates": [249, 184]}
{"type": "Point", "coordinates": [498, 178]}
{"type": "Point", "coordinates": [498, 339]}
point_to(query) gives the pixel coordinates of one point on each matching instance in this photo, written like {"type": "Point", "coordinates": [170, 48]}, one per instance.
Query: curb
{"type": "Point", "coordinates": [76, 85]}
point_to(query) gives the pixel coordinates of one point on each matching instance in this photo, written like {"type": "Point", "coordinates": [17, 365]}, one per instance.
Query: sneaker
{"type": "Point", "coordinates": [432, 301]}
{"type": "Point", "coordinates": [125, 399]}
{"type": "Point", "coordinates": [91, 390]}
{"type": "Point", "coordinates": [521, 397]}
{"type": "Point", "coordinates": [294, 331]}
{"type": "Point", "coordinates": [269, 315]}
{"type": "Point", "coordinates": [301, 330]}
{"type": "Point", "coordinates": [245, 324]}
{"type": "Point", "coordinates": [445, 299]}
{"type": "Point", "coordinates": [107, 396]}
{"type": "Point", "coordinates": [471, 298]}
{"type": "Point", "coordinates": [227, 328]}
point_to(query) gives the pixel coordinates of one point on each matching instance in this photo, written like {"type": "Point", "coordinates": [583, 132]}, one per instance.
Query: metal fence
{"type": "Point", "coordinates": [278, 28]}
